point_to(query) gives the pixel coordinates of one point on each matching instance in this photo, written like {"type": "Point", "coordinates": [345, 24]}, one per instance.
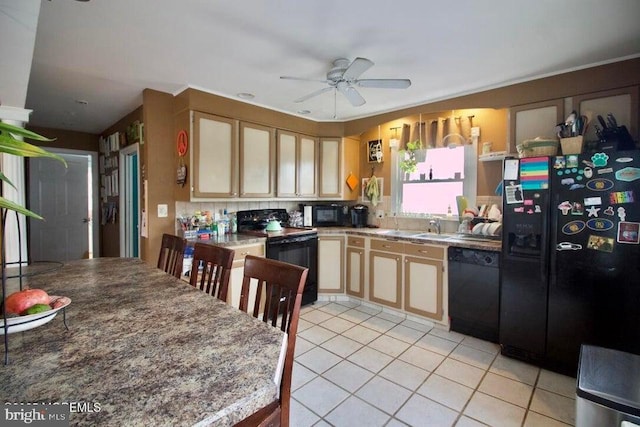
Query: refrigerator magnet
{"type": "Point", "coordinates": [599, 184]}
{"type": "Point", "coordinates": [572, 161]}
{"type": "Point", "coordinates": [599, 243]}
{"type": "Point", "coordinates": [513, 194]}
{"type": "Point", "coordinates": [609, 211]}
{"type": "Point", "coordinates": [565, 207]}
{"type": "Point", "coordinates": [573, 227]}
{"type": "Point", "coordinates": [559, 162]}
{"type": "Point", "coordinates": [629, 232]}
{"type": "Point", "coordinates": [593, 211]}
{"type": "Point", "coordinates": [620, 197]}
{"type": "Point", "coordinates": [599, 224]}
{"type": "Point", "coordinates": [600, 159]}
{"type": "Point", "coordinates": [577, 208]}
{"type": "Point", "coordinates": [628, 174]}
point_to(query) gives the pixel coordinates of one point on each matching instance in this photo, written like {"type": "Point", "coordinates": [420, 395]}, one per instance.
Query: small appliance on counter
{"type": "Point", "coordinates": [359, 215]}
{"type": "Point", "coordinates": [324, 215]}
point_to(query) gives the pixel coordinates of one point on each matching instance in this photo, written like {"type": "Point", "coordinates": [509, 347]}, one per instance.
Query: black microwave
{"type": "Point", "coordinates": [325, 215]}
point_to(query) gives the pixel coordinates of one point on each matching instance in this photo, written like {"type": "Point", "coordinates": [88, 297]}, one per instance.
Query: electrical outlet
{"type": "Point", "coordinates": [475, 131]}
{"type": "Point", "coordinates": [379, 214]}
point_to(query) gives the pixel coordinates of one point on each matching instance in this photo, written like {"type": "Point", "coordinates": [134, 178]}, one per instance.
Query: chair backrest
{"type": "Point", "coordinates": [216, 269]}
{"type": "Point", "coordinates": [171, 254]}
{"type": "Point", "coordinates": [279, 295]}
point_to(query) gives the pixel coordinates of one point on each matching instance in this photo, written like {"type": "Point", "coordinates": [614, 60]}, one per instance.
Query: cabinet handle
{"type": "Point", "coordinates": [386, 246]}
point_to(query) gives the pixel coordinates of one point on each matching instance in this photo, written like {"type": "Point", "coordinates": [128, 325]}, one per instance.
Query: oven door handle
{"type": "Point", "coordinates": [289, 240]}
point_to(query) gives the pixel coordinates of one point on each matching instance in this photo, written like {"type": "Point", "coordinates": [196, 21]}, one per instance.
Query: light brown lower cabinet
{"type": "Point", "coordinates": [423, 280]}
{"type": "Point", "coordinates": [330, 264]}
{"type": "Point", "coordinates": [237, 271]}
{"type": "Point", "coordinates": [355, 266]}
{"type": "Point", "coordinates": [385, 272]}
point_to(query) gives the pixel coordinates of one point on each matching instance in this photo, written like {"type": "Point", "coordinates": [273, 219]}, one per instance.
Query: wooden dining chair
{"type": "Point", "coordinates": [171, 254]}
{"type": "Point", "coordinates": [277, 298]}
{"type": "Point", "coordinates": [216, 269]}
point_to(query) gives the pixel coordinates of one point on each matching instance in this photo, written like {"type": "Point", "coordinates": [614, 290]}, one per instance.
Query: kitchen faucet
{"type": "Point", "coordinates": [436, 223]}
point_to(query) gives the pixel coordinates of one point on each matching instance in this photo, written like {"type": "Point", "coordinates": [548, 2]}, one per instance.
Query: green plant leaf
{"type": "Point", "coordinates": [8, 204]}
{"type": "Point", "coordinates": [16, 147]}
{"type": "Point", "coordinates": [17, 130]}
{"type": "Point", "coordinates": [4, 178]}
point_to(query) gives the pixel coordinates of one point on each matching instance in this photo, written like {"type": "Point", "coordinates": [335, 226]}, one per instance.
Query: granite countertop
{"type": "Point", "coordinates": [145, 347]}
{"type": "Point", "coordinates": [232, 239]}
{"type": "Point", "coordinates": [416, 236]}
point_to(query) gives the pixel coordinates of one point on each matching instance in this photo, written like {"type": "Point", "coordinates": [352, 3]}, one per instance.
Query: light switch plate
{"type": "Point", "coordinates": [163, 211]}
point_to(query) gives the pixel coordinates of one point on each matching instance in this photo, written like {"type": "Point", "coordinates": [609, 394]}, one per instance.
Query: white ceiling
{"type": "Point", "coordinates": [105, 52]}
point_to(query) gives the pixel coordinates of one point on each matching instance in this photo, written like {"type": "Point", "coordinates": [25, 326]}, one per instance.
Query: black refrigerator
{"type": "Point", "coordinates": [571, 257]}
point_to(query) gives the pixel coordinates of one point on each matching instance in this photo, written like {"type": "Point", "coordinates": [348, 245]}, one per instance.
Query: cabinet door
{"type": "Point", "coordinates": [330, 168]}
{"type": "Point", "coordinates": [533, 120]}
{"type": "Point", "coordinates": [286, 164]}
{"type": "Point", "coordinates": [622, 103]}
{"type": "Point", "coordinates": [423, 287]}
{"type": "Point", "coordinates": [215, 156]}
{"type": "Point", "coordinates": [306, 178]}
{"type": "Point", "coordinates": [385, 278]}
{"type": "Point", "coordinates": [355, 271]}
{"type": "Point", "coordinates": [237, 272]}
{"type": "Point", "coordinates": [257, 151]}
{"type": "Point", "coordinates": [330, 264]}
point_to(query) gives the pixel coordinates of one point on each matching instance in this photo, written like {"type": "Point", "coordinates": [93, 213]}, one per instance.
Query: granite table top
{"type": "Point", "coordinates": [143, 348]}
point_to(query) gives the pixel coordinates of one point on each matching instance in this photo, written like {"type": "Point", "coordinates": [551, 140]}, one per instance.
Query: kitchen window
{"type": "Point", "coordinates": [443, 174]}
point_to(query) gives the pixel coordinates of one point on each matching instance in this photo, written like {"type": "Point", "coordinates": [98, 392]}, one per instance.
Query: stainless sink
{"type": "Point", "coordinates": [432, 236]}
{"type": "Point", "coordinates": [398, 233]}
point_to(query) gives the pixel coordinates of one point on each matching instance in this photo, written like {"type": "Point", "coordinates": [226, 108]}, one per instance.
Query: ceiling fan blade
{"type": "Point", "coordinates": [357, 67]}
{"type": "Point", "coordinates": [303, 79]}
{"type": "Point", "coordinates": [384, 83]}
{"type": "Point", "coordinates": [312, 94]}
{"type": "Point", "coordinates": [351, 94]}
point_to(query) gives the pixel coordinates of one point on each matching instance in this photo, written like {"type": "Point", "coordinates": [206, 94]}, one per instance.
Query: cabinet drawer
{"type": "Point", "coordinates": [355, 241]}
{"type": "Point", "coordinates": [243, 251]}
{"type": "Point", "coordinates": [387, 245]}
{"type": "Point", "coordinates": [436, 252]}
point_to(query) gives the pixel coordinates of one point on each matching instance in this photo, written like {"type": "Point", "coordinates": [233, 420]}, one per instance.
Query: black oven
{"type": "Point", "coordinates": [300, 250]}
{"type": "Point", "coordinates": [294, 245]}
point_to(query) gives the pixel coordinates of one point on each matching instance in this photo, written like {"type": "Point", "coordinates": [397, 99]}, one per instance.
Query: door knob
{"type": "Point", "coordinates": [85, 220]}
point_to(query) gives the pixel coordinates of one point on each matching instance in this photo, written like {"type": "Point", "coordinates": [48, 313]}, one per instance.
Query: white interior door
{"type": "Point", "coordinates": [64, 197]}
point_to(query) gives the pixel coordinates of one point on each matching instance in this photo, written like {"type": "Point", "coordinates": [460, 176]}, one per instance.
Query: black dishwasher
{"type": "Point", "coordinates": [474, 294]}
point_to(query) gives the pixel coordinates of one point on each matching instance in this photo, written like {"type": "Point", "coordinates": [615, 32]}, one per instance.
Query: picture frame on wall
{"type": "Point", "coordinates": [374, 151]}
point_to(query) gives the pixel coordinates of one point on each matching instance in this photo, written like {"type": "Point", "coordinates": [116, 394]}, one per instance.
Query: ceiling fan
{"type": "Point", "coordinates": [344, 76]}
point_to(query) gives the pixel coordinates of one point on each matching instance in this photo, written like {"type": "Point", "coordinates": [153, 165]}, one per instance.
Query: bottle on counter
{"type": "Point", "coordinates": [234, 223]}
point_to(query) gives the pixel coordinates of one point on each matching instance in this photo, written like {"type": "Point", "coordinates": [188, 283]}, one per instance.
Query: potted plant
{"type": "Point", "coordinates": [409, 163]}
{"type": "Point", "coordinates": [10, 145]}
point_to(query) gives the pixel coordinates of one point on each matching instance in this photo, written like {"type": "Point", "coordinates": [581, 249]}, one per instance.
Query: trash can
{"type": "Point", "coordinates": [608, 388]}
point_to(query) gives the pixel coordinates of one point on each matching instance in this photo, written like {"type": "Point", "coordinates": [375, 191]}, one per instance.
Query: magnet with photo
{"type": "Point", "coordinates": [629, 232]}
{"type": "Point", "coordinates": [599, 243]}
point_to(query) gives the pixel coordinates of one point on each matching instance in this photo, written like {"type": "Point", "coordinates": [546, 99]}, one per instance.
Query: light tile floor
{"type": "Point", "coordinates": [356, 365]}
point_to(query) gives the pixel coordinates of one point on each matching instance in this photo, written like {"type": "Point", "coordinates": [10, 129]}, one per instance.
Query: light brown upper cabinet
{"type": "Point", "coordinates": [338, 157]}
{"type": "Point", "coordinates": [257, 154]}
{"type": "Point", "coordinates": [622, 103]}
{"type": "Point", "coordinates": [296, 165]}
{"type": "Point", "coordinates": [215, 156]}
{"type": "Point", "coordinates": [532, 120]}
